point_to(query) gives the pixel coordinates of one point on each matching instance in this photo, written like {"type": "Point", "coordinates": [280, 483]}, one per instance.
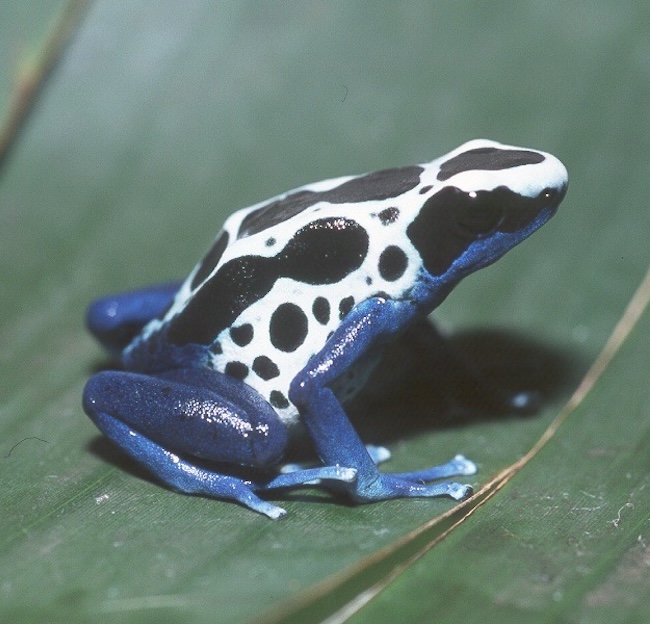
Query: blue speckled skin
{"type": "Point", "coordinates": [286, 315]}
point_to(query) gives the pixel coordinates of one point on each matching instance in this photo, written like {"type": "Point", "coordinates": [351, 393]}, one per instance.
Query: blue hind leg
{"type": "Point", "coordinates": [199, 432]}
{"type": "Point", "coordinates": [180, 474]}
{"type": "Point", "coordinates": [115, 319]}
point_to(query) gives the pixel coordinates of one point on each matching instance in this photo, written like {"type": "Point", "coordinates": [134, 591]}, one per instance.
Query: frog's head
{"type": "Point", "coordinates": [485, 199]}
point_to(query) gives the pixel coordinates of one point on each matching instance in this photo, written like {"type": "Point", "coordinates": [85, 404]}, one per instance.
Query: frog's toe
{"type": "Point", "coordinates": [293, 475]}
{"type": "Point", "coordinates": [378, 454]}
{"type": "Point", "coordinates": [459, 466]}
{"type": "Point", "coordinates": [463, 466]}
{"type": "Point", "coordinates": [460, 491]}
{"type": "Point", "coordinates": [271, 511]}
{"type": "Point", "coordinates": [525, 403]}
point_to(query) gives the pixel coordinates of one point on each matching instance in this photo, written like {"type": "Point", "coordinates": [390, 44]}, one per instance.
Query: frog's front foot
{"type": "Point", "coordinates": [414, 484]}
{"type": "Point", "coordinates": [525, 403]}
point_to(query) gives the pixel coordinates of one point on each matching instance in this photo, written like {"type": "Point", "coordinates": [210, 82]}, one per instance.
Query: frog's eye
{"type": "Point", "coordinates": [478, 219]}
{"type": "Point", "coordinates": [548, 193]}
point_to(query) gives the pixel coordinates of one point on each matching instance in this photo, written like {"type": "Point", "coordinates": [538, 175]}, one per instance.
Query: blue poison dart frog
{"type": "Point", "coordinates": [285, 317]}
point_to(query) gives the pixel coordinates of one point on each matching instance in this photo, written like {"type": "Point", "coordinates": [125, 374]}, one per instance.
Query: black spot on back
{"type": "Point", "coordinates": [242, 335]}
{"type": "Point", "coordinates": [277, 399]}
{"type": "Point", "coordinates": [265, 368]}
{"type": "Point", "coordinates": [288, 327]}
{"type": "Point", "coordinates": [345, 306]}
{"type": "Point", "coordinates": [238, 370]}
{"type": "Point", "coordinates": [322, 252]}
{"type": "Point", "coordinates": [321, 310]}
{"type": "Point", "coordinates": [392, 263]}
{"type": "Point", "coordinates": [325, 251]}
{"type": "Point", "coordinates": [211, 259]}
{"type": "Point", "coordinates": [487, 159]}
{"type": "Point", "coordinates": [372, 186]}
{"type": "Point", "coordinates": [388, 215]}
{"type": "Point", "coordinates": [378, 185]}
{"type": "Point", "coordinates": [234, 287]}
{"type": "Point", "coordinates": [276, 212]}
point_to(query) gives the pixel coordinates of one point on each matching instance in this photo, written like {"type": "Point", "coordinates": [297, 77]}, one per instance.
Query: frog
{"type": "Point", "coordinates": [282, 322]}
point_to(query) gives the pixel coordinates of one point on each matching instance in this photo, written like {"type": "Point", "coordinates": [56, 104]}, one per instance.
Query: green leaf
{"type": "Point", "coordinates": [568, 537]}
{"type": "Point", "coordinates": [160, 119]}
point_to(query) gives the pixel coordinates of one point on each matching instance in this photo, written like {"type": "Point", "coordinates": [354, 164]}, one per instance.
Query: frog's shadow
{"type": "Point", "coordinates": [427, 382]}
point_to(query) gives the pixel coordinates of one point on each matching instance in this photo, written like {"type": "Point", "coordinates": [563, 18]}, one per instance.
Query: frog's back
{"type": "Point", "coordinates": [282, 275]}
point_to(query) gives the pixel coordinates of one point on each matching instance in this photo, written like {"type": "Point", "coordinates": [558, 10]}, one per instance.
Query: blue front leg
{"type": "Point", "coordinates": [115, 319]}
{"type": "Point", "coordinates": [336, 441]}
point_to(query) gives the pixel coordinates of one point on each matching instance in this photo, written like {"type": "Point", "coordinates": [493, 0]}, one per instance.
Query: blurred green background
{"type": "Point", "coordinates": [162, 118]}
